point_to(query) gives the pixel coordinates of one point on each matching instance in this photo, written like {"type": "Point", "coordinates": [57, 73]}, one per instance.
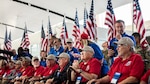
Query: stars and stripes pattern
{"type": "Point", "coordinates": [64, 32]}
{"type": "Point", "coordinates": [50, 33]}
{"type": "Point", "coordinates": [76, 32]}
{"type": "Point", "coordinates": [44, 40]}
{"type": "Point", "coordinates": [139, 22]}
{"type": "Point", "coordinates": [25, 40]}
{"type": "Point", "coordinates": [84, 22]}
{"type": "Point", "coordinates": [7, 41]}
{"type": "Point", "coordinates": [91, 24]}
{"type": "Point", "coordinates": [110, 21]}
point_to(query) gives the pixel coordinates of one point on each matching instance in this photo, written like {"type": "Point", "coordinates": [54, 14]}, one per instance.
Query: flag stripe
{"type": "Point", "coordinates": [139, 22]}
{"type": "Point", "coordinates": [110, 21]}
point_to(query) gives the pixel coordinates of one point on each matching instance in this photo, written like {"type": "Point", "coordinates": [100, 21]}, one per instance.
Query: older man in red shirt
{"type": "Point", "coordinates": [127, 68]}
{"type": "Point", "coordinates": [89, 68]}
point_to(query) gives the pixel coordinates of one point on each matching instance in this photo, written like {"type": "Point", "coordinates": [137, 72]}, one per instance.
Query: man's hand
{"type": "Point", "coordinates": [110, 52]}
{"type": "Point", "coordinates": [49, 81]}
{"type": "Point", "coordinates": [75, 64]}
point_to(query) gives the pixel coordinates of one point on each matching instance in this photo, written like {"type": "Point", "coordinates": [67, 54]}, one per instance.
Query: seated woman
{"type": "Point", "coordinates": [127, 68]}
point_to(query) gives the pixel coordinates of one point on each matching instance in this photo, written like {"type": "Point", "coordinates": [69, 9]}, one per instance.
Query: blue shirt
{"type": "Point", "coordinates": [56, 52]}
{"type": "Point", "coordinates": [73, 50]}
{"type": "Point", "coordinates": [98, 53]}
{"type": "Point", "coordinates": [15, 57]}
{"type": "Point", "coordinates": [114, 46]}
{"type": "Point", "coordinates": [43, 63]}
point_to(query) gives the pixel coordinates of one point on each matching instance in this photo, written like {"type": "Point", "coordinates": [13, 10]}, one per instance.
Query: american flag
{"type": "Point", "coordinates": [7, 42]}
{"type": "Point", "coordinates": [139, 22]}
{"type": "Point", "coordinates": [91, 24]}
{"type": "Point", "coordinates": [84, 22]}
{"type": "Point", "coordinates": [49, 29]}
{"type": "Point", "coordinates": [76, 32]}
{"type": "Point", "coordinates": [64, 33]}
{"type": "Point", "coordinates": [44, 40]}
{"type": "Point", "coordinates": [110, 21]}
{"type": "Point", "coordinates": [25, 40]}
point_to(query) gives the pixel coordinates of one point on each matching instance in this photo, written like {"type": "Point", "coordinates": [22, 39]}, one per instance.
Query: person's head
{"type": "Point", "coordinates": [120, 26]}
{"type": "Point", "coordinates": [25, 61]}
{"type": "Point", "coordinates": [63, 59]}
{"type": "Point", "coordinates": [87, 53]}
{"type": "Point", "coordinates": [51, 40]}
{"type": "Point", "coordinates": [137, 37]}
{"type": "Point", "coordinates": [20, 51]}
{"type": "Point", "coordinates": [125, 46]}
{"type": "Point", "coordinates": [11, 64]}
{"type": "Point", "coordinates": [57, 42]}
{"type": "Point", "coordinates": [13, 51]}
{"type": "Point", "coordinates": [3, 64]}
{"type": "Point", "coordinates": [69, 42]}
{"type": "Point", "coordinates": [43, 54]}
{"type": "Point", "coordinates": [35, 61]}
{"type": "Point", "coordinates": [105, 45]}
{"type": "Point", "coordinates": [50, 60]}
{"type": "Point", "coordinates": [18, 64]}
{"type": "Point", "coordinates": [84, 39]}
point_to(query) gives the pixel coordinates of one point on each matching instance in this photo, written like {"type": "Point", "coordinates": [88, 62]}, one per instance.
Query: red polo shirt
{"type": "Point", "coordinates": [38, 71]}
{"type": "Point", "coordinates": [49, 70]}
{"type": "Point", "coordinates": [4, 70]}
{"type": "Point", "coordinates": [92, 66]}
{"type": "Point", "coordinates": [133, 66]}
{"type": "Point", "coordinates": [28, 71]}
{"type": "Point", "coordinates": [146, 76]}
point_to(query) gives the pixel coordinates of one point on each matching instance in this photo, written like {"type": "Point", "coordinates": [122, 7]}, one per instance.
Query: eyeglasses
{"type": "Point", "coordinates": [69, 42]}
{"type": "Point", "coordinates": [55, 42]}
{"type": "Point", "coordinates": [119, 45]}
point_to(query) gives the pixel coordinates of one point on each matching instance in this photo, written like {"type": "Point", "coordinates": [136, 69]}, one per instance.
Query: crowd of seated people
{"type": "Point", "coordinates": [69, 65]}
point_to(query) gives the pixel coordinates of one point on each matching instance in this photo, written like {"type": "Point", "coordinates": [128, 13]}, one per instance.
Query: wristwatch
{"type": "Point", "coordinates": [80, 71]}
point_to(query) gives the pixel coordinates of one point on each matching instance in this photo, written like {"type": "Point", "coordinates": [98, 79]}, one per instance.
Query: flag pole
{"type": "Point", "coordinates": [132, 16]}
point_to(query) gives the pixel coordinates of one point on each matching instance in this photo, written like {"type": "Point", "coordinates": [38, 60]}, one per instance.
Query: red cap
{"type": "Point", "coordinates": [84, 36]}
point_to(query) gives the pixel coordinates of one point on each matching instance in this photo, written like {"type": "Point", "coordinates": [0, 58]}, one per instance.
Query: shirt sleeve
{"type": "Point", "coordinates": [146, 76]}
{"type": "Point", "coordinates": [136, 71]}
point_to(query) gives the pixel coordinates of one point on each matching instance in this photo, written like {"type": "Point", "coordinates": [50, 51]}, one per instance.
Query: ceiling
{"type": "Point", "coordinates": [15, 13]}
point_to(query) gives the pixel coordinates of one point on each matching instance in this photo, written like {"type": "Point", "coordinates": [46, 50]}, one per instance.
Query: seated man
{"type": "Point", "coordinates": [12, 73]}
{"type": "Point", "coordinates": [60, 75]}
{"type": "Point", "coordinates": [89, 68]}
{"type": "Point", "coordinates": [51, 67]}
{"type": "Point", "coordinates": [127, 68]}
{"type": "Point", "coordinates": [146, 78]}
{"type": "Point", "coordinates": [26, 71]}
{"type": "Point", "coordinates": [72, 51]}
{"type": "Point", "coordinates": [38, 69]}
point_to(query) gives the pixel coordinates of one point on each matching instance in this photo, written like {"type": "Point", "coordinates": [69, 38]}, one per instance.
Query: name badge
{"type": "Point", "coordinates": [115, 78]}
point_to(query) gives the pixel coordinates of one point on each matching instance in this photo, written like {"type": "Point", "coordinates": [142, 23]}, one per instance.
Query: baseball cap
{"type": "Point", "coordinates": [35, 58]}
{"type": "Point", "coordinates": [18, 62]}
{"type": "Point", "coordinates": [88, 48]}
{"type": "Point", "coordinates": [63, 55]}
{"type": "Point", "coordinates": [51, 56]}
{"type": "Point", "coordinates": [69, 40]}
{"type": "Point", "coordinates": [84, 36]}
{"type": "Point", "coordinates": [125, 41]}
